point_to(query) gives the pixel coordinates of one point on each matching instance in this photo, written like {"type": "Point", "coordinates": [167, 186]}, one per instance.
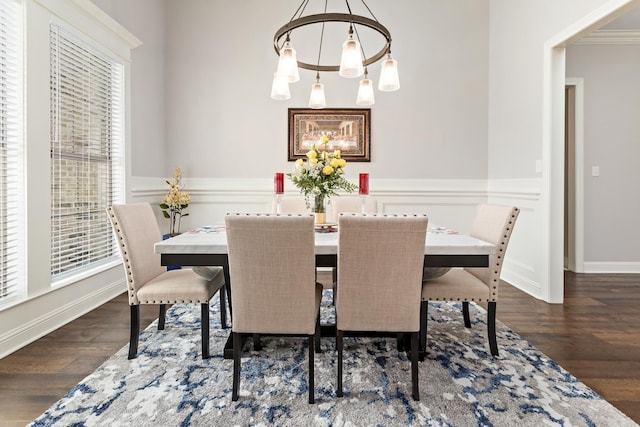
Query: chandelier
{"type": "Point", "coordinates": [353, 63]}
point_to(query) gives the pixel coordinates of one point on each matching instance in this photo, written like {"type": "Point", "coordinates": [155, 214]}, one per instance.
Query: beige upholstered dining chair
{"type": "Point", "coordinates": [494, 224]}
{"type": "Point", "coordinates": [380, 259]}
{"type": "Point", "coordinates": [349, 204]}
{"type": "Point", "coordinates": [352, 204]}
{"type": "Point", "coordinates": [291, 206]}
{"type": "Point", "coordinates": [136, 231]}
{"type": "Point", "coordinates": [273, 271]}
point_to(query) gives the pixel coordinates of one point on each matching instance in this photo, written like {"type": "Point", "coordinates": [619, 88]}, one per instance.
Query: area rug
{"type": "Point", "coordinates": [461, 384]}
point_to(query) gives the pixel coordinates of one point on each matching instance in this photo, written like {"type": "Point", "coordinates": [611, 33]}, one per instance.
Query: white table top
{"type": "Point", "coordinates": [213, 240]}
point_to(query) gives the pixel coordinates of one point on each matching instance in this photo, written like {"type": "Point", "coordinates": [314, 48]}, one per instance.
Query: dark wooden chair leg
{"type": "Point", "coordinates": [257, 345]}
{"type": "Point", "coordinates": [311, 369]}
{"type": "Point", "coordinates": [162, 316]}
{"type": "Point", "coordinates": [135, 331]}
{"type": "Point", "coordinates": [401, 344]}
{"type": "Point", "coordinates": [465, 314]}
{"type": "Point", "coordinates": [227, 290]}
{"type": "Point", "coordinates": [414, 366]}
{"type": "Point", "coordinates": [223, 307]}
{"type": "Point", "coordinates": [316, 336]}
{"type": "Point", "coordinates": [424, 311]}
{"type": "Point", "coordinates": [339, 346]}
{"type": "Point", "coordinates": [204, 309]}
{"type": "Point", "coordinates": [334, 284]}
{"type": "Point", "coordinates": [236, 365]}
{"type": "Point", "coordinates": [491, 327]}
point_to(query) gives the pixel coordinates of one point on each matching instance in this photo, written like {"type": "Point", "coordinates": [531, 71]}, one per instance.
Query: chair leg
{"type": "Point", "coordinates": [162, 316]}
{"type": "Point", "coordinates": [204, 309]}
{"type": "Point", "coordinates": [236, 365]}
{"type": "Point", "coordinates": [135, 331]}
{"type": "Point", "coordinates": [223, 307]}
{"type": "Point", "coordinates": [339, 346]}
{"type": "Point", "coordinates": [311, 369]}
{"type": "Point", "coordinates": [465, 314]}
{"type": "Point", "coordinates": [316, 336]}
{"type": "Point", "coordinates": [257, 345]}
{"type": "Point", "coordinates": [414, 366]}
{"type": "Point", "coordinates": [424, 309]}
{"type": "Point", "coordinates": [491, 327]}
{"type": "Point", "coordinates": [401, 342]}
{"type": "Point", "coordinates": [334, 283]}
{"type": "Point", "coordinates": [227, 290]}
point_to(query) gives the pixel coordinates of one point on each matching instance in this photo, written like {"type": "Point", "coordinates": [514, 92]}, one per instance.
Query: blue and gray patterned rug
{"type": "Point", "coordinates": [460, 383]}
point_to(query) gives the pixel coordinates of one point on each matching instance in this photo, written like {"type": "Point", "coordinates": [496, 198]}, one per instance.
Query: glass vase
{"type": "Point", "coordinates": [320, 209]}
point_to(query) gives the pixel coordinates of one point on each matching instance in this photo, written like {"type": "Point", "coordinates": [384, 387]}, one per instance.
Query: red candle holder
{"type": "Point", "coordinates": [278, 183]}
{"type": "Point", "coordinates": [364, 184]}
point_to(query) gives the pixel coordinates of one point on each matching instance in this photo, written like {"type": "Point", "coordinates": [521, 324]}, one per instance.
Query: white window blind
{"type": "Point", "coordinates": [86, 153]}
{"type": "Point", "coordinates": [11, 140]}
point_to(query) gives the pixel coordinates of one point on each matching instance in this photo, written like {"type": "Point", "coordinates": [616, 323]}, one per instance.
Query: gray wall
{"type": "Point", "coordinates": [611, 133]}
{"type": "Point", "coordinates": [146, 20]}
{"type": "Point", "coordinates": [216, 77]}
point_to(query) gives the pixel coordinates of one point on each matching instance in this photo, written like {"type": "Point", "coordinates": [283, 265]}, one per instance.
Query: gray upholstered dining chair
{"type": "Point", "coordinates": [493, 224]}
{"type": "Point", "coordinates": [272, 266]}
{"type": "Point", "coordinates": [380, 259]}
{"type": "Point", "coordinates": [148, 282]}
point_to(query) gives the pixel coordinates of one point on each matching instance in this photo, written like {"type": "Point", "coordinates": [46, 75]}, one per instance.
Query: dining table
{"type": "Point", "coordinates": [207, 246]}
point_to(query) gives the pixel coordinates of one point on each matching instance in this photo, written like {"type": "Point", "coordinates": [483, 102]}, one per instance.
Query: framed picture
{"type": "Point", "coordinates": [348, 130]}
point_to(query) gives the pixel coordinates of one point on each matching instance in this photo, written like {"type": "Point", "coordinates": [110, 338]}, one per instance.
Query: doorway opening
{"type": "Point", "coordinates": [574, 176]}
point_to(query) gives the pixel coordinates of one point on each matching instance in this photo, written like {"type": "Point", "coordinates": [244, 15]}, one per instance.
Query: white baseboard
{"type": "Point", "coordinates": [49, 321]}
{"type": "Point", "coordinates": [612, 267]}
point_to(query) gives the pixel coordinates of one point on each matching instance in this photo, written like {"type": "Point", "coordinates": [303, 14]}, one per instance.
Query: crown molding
{"type": "Point", "coordinates": [611, 37]}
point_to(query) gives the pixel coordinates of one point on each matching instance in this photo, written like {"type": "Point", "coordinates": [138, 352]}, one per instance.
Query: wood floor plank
{"type": "Point", "coordinates": [594, 335]}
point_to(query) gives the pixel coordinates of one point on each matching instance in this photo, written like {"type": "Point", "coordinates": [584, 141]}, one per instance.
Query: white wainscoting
{"type": "Point", "coordinates": [449, 203]}
{"type": "Point", "coordinates": [525, 255]}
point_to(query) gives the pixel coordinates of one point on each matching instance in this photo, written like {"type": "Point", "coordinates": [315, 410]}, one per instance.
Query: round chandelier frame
{"type": "Point", "coordinates": [286, 29]}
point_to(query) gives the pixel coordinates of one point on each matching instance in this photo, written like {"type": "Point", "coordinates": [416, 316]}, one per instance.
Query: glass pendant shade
{"type": "Point", "coordinates": [351, 61]}
{"type": "Point", "coordinates": [317, 100]}
{"type": "Point", "coordinates": [280, 88]}
{"type": "Point", "coordinates": [365, 92]}
{"type": "Point", "coordinates": [389, 80]}
{"type": "Point", "coordinates": [288, 63]}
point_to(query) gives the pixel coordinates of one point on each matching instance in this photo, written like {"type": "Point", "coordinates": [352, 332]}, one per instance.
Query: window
{"type": "Point", "coordinates": [86, 153]}
{"type": "Point", "coordinates": [11, 140]}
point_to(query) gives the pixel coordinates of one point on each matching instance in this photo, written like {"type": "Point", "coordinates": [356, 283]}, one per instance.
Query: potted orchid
{"type": "Point", "coordinates": [175, 202]}
{"type": "Point", "coordinates": [320, 176]}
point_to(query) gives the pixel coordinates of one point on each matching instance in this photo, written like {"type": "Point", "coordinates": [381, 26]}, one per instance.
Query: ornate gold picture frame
{"type": "Point", "coordinates": [348, 130]}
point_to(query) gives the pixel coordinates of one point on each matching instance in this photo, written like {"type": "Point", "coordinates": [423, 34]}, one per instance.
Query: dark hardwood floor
{"type": "Point", "coordinates": [595, 335]}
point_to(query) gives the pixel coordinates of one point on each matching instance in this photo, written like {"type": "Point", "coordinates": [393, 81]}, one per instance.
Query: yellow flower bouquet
{"type": "Point", "coordinates": [175, 202]}
{"type": "Point", "coordinates": [321, 175]}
